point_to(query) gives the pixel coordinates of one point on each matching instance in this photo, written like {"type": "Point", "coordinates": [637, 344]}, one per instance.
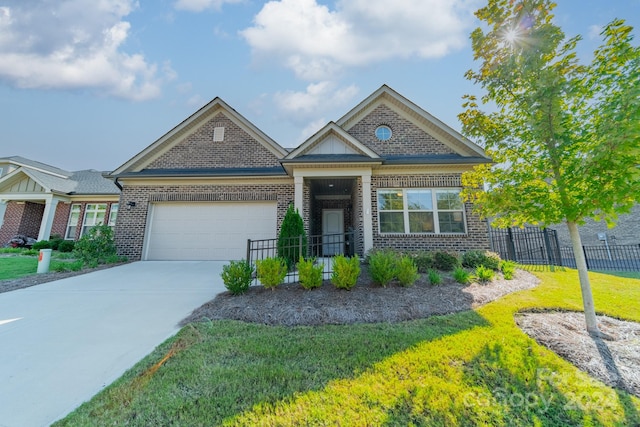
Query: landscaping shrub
{"type": "Point", "coordinates": [310, 273]}
{"type": "Point", "coordinates": [484, 274]}
{"type": "Point", "coordinates": [406, 270]}
{"type": "Point", "coordinates": [55, 241]}
{"type": "Point", "coordinates": [42, 244]}
{"type": "Point", "coordinates": [345, 272]}
{"type": "Point", "coordinates": [508, 269]}
{"type": "Point", "coordinates": [237, 276]}
{"type": "Point", "coordinates": [66, 246]}
{"type": "Point", "coordinates": [96, 246]}
{"type": "Point", "coordinates": [271, 271]}
{"type": "Point", "coordinates": [475, 258]}
{"type": "Point", "coordinates": [292, 228]}
{"type": "Point", "coordinates": [434, 277]}
{"type": "Point", "coordinates": [423, 260]}
{"type": "Point", "coordinates": [382, 266]}
{"type": "Point", "coordinates": [445, 261]}
{"type": "Point", "coordinates": [462, 276]}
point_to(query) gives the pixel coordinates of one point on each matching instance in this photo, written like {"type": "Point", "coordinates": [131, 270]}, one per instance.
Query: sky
{"type": "Point", "coordinates": [87, 84]}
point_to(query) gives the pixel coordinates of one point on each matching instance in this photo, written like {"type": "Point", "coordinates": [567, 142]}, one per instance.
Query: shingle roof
{"type": "Point", "coordinates": [61, 181]}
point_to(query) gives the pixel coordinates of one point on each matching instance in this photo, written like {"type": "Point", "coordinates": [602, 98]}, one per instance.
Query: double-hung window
{"type": "Point", "coordinates": [72, 225]}
{"type": "Point", "coordinates": [420, 210]}
{"type": "Point", "coordinates": [113, 214]}
{"type": "Point", "coordinates": [93, 215]}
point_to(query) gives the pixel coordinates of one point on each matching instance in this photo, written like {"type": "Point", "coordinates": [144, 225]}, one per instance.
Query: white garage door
{"type": "Point", "coordinates": [207, 231]}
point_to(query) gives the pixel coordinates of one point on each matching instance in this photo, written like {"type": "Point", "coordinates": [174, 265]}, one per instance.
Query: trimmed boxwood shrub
{"type": "Point", "coordinates": [66, 246]}
{"type": "Point", "coordinates": [271, 271]}
{"type": "Point", "coordinates": [345, 272]}
{"type": "Point", "coordinates": [42, 244]}
{"type": "Point", "coordinates": [445, 261]}
{"type": "Point", "coordinates": [237, 276]}
{"type": "Point", "coordinates": [310, 274]}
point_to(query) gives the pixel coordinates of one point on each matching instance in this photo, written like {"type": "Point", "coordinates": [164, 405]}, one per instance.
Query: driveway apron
{"type": "Point", "coordinates": [62, 342]}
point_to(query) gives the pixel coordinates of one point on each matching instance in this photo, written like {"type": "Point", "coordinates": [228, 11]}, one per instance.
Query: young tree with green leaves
{"type": "Point", "coordinates": [564, 136]}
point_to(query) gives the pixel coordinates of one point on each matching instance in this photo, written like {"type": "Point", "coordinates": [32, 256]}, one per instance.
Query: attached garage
{"type": "Point", "coordinates": [207, 230]}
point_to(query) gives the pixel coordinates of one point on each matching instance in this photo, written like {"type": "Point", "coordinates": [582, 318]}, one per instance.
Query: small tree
{"type": "Point", "coordinates": [292, 240]}
{"type": "Point", "coordinates": [97, 246]}
{"type": "Point", "coordinates": [565, 136]}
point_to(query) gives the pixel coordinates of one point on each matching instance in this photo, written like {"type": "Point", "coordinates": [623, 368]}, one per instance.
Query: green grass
{"type": "Point", "coordinates": [471, 368]}
{"type": "Point", "coordinates": [17, 266]}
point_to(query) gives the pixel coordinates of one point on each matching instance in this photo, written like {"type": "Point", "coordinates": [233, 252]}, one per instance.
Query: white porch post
{"type": "Point", "coordinates": [366, 212]}
{"type": "Point", "coordinates": [47, 218]}
{"type": "Point", "coordinates": [298, 193]}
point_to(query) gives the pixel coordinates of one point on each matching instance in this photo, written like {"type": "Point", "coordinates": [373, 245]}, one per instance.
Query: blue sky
{"type": "Point", "coordinates": [87, 84]}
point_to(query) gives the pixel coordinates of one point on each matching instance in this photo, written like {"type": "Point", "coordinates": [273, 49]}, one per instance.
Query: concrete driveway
{"type": "Point", "coordinates": [62, 342]}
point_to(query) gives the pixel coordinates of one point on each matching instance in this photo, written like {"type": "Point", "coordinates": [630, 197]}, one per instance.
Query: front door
{"type": "Point", "coordinates": [332, 232]}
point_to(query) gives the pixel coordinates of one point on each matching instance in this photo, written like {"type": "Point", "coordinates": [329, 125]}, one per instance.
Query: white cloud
{"type": "Point", "coordinates": [74, 44]}
{"type": "Point", "coordinates": [306, 109]}
{"type": "Point", "coordinates": [317, 42]}
{"type": "Point", "coordinates": [200, 5]}
{"type": "Point", "coordinates": [594, 32]}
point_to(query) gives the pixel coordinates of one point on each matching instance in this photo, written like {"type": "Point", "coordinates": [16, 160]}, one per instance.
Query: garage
{"type": "Point", "coordinates": [207, 230]}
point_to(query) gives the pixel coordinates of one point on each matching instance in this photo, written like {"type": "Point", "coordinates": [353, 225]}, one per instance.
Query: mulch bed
{"type": "Point", "coordinates": [614, 360]}
{"type": "Point", "coordinates": [291, 305]}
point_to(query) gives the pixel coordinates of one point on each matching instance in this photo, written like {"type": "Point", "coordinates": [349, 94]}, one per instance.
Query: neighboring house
{"type": "Point", "coordinates": [387, 170]}
{"type": "Point", "coordinates": [594, 233]}
{"type": "Point", "coordinates": [38, 200]}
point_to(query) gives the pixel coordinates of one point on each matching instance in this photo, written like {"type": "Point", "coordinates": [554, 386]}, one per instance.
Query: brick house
{"type": "Point", "coordinates": [38, 200]}
{"type": "Point", "coordinates": [387, 170]}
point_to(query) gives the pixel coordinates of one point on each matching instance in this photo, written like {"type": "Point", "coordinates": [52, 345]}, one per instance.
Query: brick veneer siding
{"type": "Point", "coordinates": [626, 231]}
{"type": "Point", "coordinates": [198, 150]}
{"type": "Point", "coordinates": [11, 224]}
{"type": "Point", "coordinates": [130, 227]}
{"type": "Point", "coordinates": [477, 232]}
{"type": "Point", "coordinates": [59, 226]}
{"type": "Point", "coordinates": [21, 218]}
{"type": "Point", "coordinates": [406, 139]}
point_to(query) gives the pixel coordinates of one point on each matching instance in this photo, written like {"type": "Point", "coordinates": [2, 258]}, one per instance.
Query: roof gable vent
{"type": "Point", "coordinates": [218, 134]}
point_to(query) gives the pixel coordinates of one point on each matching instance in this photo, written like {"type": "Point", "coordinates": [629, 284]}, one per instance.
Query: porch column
{"type": "Point", "coordinates": [47, 218]}
{"type": "Point", "coordinates": [366, 212]}
{"type": "Point", "coordinates": [298, 194]}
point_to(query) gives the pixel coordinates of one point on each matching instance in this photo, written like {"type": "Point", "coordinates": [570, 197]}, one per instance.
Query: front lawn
{"type": "Point", "coordinates": [12, 267]}
{"type": "Point", "coordinates": [470, 368]}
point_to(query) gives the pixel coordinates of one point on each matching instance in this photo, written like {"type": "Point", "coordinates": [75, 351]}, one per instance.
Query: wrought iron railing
{"type": "Point", "coordinates": [322, 247]}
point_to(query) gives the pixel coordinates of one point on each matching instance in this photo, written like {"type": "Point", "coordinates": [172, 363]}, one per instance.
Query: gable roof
{"type": "Point", "coordinates": [56, 180]}
{"type": "Point", "coordinates": [177, 134]}
{"type": "Point", "coordinates": [35, 165]}
{"type": "Point", "coordinates": [430, 124]}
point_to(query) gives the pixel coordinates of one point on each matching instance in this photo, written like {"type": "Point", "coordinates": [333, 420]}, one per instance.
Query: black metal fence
{"type": "Point", "coordinates": [529, 245]}
{"type": "Point", "coordinates": [322, 247]}
{"type": "Point", "coordinates": [532, 245]}
{"type": "Point", "coordinates": [610, 257]}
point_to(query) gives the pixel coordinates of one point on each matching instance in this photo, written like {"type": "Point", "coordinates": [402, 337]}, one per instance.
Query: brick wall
{"type": "Point", "coordinates": [11, 224]}
{"type": "Point", "coordinates": [406, 138]}
{"type": "Point", "coordinates": [626, 232]}
{"type": "Point", "coordinates": [198, 150]}
{"type": "Point", "coordinates": [477, 233]}
{"type": "Point", "coordinates": [130, 228]}
{"type": "Point", "coordinates": [59, 226]}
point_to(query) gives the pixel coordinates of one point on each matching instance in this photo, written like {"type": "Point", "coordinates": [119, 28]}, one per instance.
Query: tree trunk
{"type": "Point", "coordinates": [585, 284]}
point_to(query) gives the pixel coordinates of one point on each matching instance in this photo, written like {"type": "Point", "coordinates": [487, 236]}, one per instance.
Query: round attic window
{"type": "Point", "coordinates": [383, 133]}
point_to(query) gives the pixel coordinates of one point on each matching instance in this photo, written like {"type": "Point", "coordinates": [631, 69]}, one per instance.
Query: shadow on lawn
{"type": "Point", "coordinates": [514, 383]}
{"type": "Point", "coordinates": [235, 371]}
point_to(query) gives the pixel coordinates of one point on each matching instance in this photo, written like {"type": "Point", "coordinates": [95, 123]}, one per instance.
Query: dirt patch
{"type": "Point", "coordinates": [291, 305]}
{"type": "Point", "coordinates": [614, 360]}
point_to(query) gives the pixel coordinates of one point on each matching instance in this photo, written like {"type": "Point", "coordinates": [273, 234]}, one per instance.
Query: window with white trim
{"type": "Point", "coordinates": [93, 215]}
{"type": "Point", "coordinates": [72, 224]}
{"type": "Point", "coordinates": [420, 210]}
{"type": "Point", "coordinates": [113, 214]}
